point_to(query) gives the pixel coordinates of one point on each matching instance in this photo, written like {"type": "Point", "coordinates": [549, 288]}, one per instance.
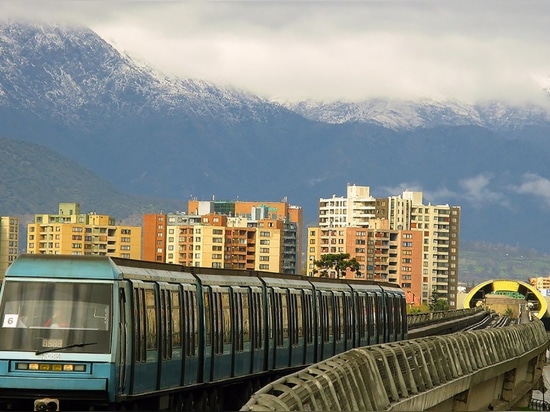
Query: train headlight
{"type": "Point", "coordinates": [46, 404]}
{"type": "Point", "coordinates": [53, 367]}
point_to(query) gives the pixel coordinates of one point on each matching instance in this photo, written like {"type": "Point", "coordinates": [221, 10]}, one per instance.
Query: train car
{"type": "Point", "coordinates": [93, 332]}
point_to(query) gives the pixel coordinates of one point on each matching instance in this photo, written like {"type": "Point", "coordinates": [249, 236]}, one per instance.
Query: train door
{"type": "Point", "coordinates": [375, 318]}
{"type": "Point", "coordinates": [189, 321]}
{"type": "Point", "coordinates": [124, 359]}
{"type": "Point", "coordinates": [257, 330]}
{"type": "Point", "coordinates": [219, 334]}
{"type": "Point", "coordinates": [390, 318]}
{"type": "Point", "coordinates": [170, 353]}
{"type": "Point", "coordinates": [241, 327]}
{"type": "Point", "coordinates": [361, 317]}
{"type": "Point", "coordinates": [145, 345]}
{"type": "Point", "coordinates": [296, 327]}
{"type": "Point", "coordinates": [309, 326]}
{"type": "Point", "coordinates": [280, 328]}
{"type": "Point", "coordinates": [349, 322]}
{"type": "Point", "coordinates": [326, 325]}
{"type": "Point", "coordinates": [381, 317]}
{"type": "Point", "coordinates": [339, 323]}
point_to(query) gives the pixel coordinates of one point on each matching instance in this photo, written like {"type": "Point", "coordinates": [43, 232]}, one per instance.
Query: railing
{"type": "Point", "coordinates": [419, 319]}
{"type": "Point", "coordinates": [409, 375]}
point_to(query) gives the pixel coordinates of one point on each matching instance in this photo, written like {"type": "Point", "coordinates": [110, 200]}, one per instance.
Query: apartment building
{"type": "Point", "coordinates": [402, 241]}
{"type": "Point", "coordinates": [9, 242]}
{"type": "Point", "coordinates": [231, 235]}
{"type": "Point", "coordinates": [70, 232]}
{"type": "Point", "coordinates": [542, 284]}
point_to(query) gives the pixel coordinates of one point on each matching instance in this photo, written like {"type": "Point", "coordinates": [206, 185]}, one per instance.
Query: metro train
{"type": "Point", "coordinates": [97, 332]}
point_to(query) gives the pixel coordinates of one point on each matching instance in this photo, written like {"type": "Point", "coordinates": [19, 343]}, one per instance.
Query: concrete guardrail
{"type": "Point", "coordinates": [418, 374]}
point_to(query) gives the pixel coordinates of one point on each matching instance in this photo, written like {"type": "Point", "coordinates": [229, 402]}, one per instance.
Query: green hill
{"type": "Point", "coordinates": [484, 261]}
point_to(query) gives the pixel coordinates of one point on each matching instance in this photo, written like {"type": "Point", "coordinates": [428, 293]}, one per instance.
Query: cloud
{"type": "Point", "coordinates": [467, 51]}
{"type": "Point", "coordinates": [477, 192]}
{"type": "Point", "coordinates": [535, 185]}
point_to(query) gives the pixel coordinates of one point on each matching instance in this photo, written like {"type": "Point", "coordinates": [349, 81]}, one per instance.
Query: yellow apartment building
{"type": "Point", "coordinates": [9, 242]}
{"type": "Point", "coordinates": [70, 232]}
{"type": "Point", "coordinates": [222, 241]}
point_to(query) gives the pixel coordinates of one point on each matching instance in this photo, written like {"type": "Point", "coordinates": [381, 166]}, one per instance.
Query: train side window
{"type": "Point", "coordinates": [277, 319]}
{"type": "Point", "coordinates": [176, 319]}
{"type": "Point", "coordinates": [292, 324]}
{"type": "Point", "coordinates": [139, 322]}
{"type": "Point", "coordinates": [217, 326]}
{"type": "Point", "coordinates": [218, 322]}
{"type": "Point", "coordinates": [227, 319]}
{"type": "Point", "coordinates": [299, 317]}
{"type": "Point", "coordinates": [338, 318]}
{"type": "Point", "coordinates": [326, 318]}
{"type": "Point", "coordinates": [284, 317]}
{"type": "Point", "coordinates": [330, 317]}
{"type": "Point", "coordinates": [361, 315]}
{"type": "Point", "coordinates": [258, 319]}
{"type": "Point", "coordinates": [237, 308]}
{"type": "Point", "coordinates": [308, 318]}
{"type": "Point", "coordinates": [373, 316]}
{"type": "Point", "coordinates": [166, 324]}
{"type": "Point", "coordinates": [190, 322]}
{"type": "Point", "coordinates": [151, 319]}
{"type": "Point", "coordinates": [348, 313]}
{"type": "Point", "coordinates": [193, 313]}
{"type": "Point", "coordinates": [246, 317]}
{"type": "Point", "coordinates": [207, 319]}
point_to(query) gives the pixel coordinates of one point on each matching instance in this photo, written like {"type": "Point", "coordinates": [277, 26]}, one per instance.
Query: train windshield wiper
{"type": "Point", "coordinates": [74, 345]}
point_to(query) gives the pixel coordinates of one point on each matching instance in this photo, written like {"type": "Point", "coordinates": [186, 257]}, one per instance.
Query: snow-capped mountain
{"type": "Point", "coordinates": [408, 115]}
{"type": "Point", "coordinates": [70, 73]}
{"type": "Point", "coordinates": [66, 89]}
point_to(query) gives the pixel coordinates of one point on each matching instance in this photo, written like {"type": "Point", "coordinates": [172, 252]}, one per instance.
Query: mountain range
{"type": "Point", "coordinates": [79, 121]}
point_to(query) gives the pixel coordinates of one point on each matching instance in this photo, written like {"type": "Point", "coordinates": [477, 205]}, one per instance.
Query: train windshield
{"type": "Point", "coordinates": [43, 316]}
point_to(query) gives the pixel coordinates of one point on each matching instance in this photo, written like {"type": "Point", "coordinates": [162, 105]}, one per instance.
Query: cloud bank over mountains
{"type": "Point", "coordinates": [327, 51]}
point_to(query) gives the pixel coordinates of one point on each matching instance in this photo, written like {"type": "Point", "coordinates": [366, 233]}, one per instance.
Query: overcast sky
{"type": "Point", "coordinates": [329, 50]}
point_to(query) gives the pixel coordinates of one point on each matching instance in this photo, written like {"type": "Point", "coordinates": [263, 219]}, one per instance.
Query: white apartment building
{"type": "Point", "coordinates": [439, 226]}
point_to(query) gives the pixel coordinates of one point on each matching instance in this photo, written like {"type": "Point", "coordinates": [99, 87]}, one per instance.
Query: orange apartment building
{"type": "Point", "coordinates": [233, 235]}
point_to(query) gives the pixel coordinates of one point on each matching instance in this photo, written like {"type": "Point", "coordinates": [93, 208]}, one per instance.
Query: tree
{"type": "Point", "coordinates": [339, 262]}
{"type": "Point", "coordinates": [437, 304]}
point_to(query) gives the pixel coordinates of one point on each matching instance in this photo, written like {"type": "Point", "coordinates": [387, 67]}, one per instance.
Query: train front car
{"type": "Point", "coordinates": [56, 333]}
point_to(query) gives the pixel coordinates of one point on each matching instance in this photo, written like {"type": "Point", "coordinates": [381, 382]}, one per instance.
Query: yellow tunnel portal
{"type": "Point", "coordinates": [531, 294]}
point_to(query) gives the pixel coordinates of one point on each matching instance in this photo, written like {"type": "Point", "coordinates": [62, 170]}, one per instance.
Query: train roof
{"type": "Point", "coordinates": [114, 268]}
{"type": "Point", "coordinates": [92, 267]}
{"type": "Point", "coordinates": [63, 266]}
